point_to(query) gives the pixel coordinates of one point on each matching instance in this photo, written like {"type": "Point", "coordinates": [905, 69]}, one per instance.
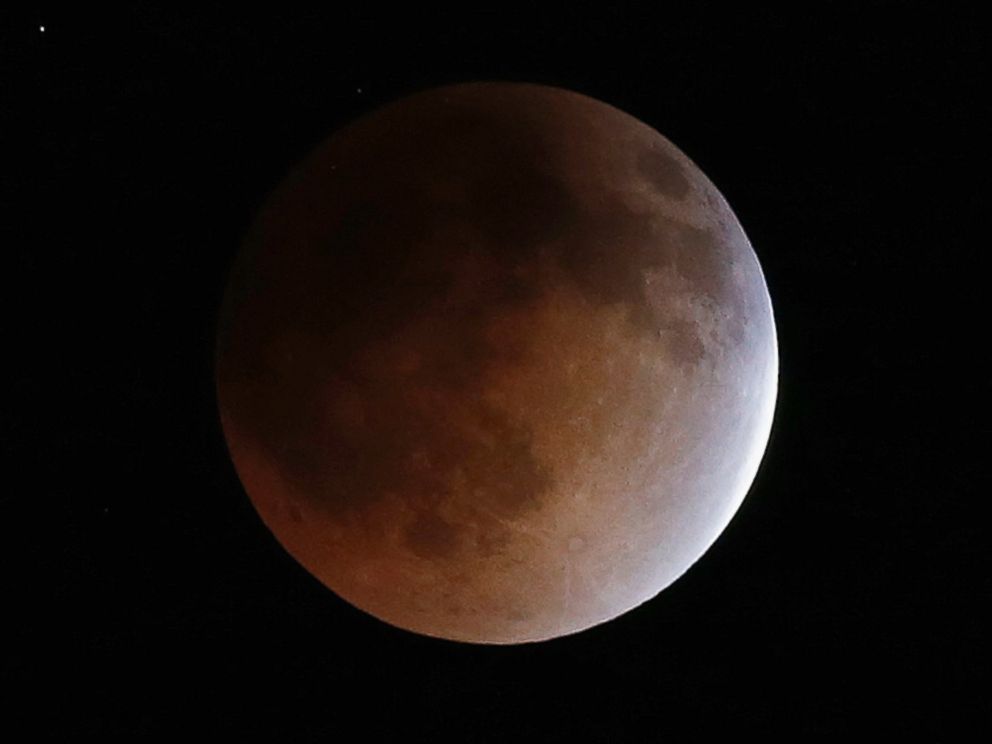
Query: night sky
{"type": "Point", "coordinates": [145, 596]}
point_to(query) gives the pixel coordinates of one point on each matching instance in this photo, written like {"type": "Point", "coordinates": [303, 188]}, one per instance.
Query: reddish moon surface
{"type": "Point", "coordinates": [496, 363]}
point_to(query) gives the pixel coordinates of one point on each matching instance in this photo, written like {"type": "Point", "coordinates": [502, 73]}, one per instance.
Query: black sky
{"type": "Point", "coordinates": [145, 595]}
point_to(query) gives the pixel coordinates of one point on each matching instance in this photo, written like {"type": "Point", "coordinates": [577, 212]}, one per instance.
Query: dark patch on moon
{"type": "Point", "coordinates": [684, 345]}
{"type": "Point", "coordinates": [493, 538]}
{"type": "Point", "coordinates": [663, 172]}
{"type": "Point", "coordinates": [431, 537]}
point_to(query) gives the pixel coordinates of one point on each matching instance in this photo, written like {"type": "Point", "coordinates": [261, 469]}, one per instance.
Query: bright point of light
{"type": "Point", "coordinates": [41, 28]}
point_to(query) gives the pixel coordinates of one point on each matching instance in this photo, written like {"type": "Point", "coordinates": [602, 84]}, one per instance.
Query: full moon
{"type": "Point", "coordinates": [496, 363]}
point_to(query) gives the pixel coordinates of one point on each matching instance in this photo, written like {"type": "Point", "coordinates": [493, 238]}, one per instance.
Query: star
{"type": "Point", "coordinates": [41, 28]}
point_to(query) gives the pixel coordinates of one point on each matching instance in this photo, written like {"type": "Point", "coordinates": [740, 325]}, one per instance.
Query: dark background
{"type": "Point", "coordinates": [144, 595]}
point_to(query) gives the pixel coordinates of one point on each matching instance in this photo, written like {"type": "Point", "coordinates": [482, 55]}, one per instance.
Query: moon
{"type": "Point", "coordinates": [496, 363]}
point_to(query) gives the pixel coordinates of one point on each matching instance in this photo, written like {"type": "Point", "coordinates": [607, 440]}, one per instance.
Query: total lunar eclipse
{"type": "Point", "coordinates": [496, 363]}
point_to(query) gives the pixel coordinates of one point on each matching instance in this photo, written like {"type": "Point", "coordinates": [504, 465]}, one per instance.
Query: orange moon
{"type": "Point", "coordinates": [496, 363]}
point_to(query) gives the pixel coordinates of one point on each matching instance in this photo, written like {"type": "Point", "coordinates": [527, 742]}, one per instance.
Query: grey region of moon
{"type": "Point", "coordinates": [496, 363]}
